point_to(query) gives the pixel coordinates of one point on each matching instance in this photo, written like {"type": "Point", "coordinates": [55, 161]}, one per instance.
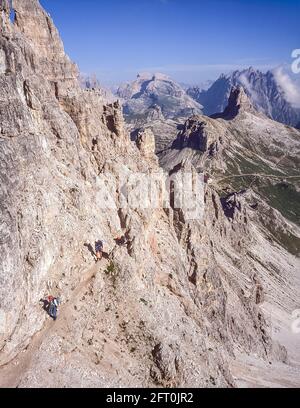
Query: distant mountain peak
{"type": "Point", "coordinates": [156, 90]}
{"type": "Point", "coordinates": [262, 89]}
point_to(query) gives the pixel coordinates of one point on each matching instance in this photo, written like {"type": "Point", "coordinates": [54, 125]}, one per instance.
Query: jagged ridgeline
{"type": "Point", "coordinates": [263, 89]}
{"type": "Point", "coordinates": [205, 302]}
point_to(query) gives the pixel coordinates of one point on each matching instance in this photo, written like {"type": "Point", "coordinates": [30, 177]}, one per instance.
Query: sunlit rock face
{"type": "Point", "coordinates": [155, 91]}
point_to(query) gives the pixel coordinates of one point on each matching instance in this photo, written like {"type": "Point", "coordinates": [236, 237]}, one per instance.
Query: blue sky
{"type": "Point", "coordinates": [191, 40]}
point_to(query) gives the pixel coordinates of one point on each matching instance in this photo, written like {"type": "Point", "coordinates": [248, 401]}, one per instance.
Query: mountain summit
{"type": "Point", "coordinates": [158, 90]}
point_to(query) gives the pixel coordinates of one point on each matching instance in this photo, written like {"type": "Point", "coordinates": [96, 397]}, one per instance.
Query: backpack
{"type": "Point", "coordinates": [99, 246]}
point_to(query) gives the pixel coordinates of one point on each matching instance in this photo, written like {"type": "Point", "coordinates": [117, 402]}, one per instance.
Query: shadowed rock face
{"type": "Point", "coordinates": [238, 102]}
{"type": "Point", "coordinates": [174, 305]}
{"type": "Point", "coordinates": [193, 135]}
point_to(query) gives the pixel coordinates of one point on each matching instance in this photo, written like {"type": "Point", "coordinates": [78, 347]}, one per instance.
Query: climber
{"type": "Point", "coordinates": [121, 240]}
{"type": "Point", "coordinates": [53, 304]}
{"type": "Point", "coordinates": [99, 250]}
{"type": "Point", "coordinates": [206, 178]}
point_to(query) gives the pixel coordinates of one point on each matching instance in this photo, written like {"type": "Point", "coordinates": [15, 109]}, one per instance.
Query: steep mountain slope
{"type": "Point", "coordinates": [242, 147]}
{"type": "Point", "coordinates": [183, 299]}
{"type": "Point", "coordinates": [262, 89]}
{"type": "Point", "coordinates": [156, 91]}
{"type": "Point", "coordinates": [253, 165]}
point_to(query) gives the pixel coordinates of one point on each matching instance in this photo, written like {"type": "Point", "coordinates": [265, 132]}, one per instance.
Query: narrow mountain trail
{"type": "Point", "coordinates": [258, 175]}
{"type": "Point", "coordinates": [11, 372]}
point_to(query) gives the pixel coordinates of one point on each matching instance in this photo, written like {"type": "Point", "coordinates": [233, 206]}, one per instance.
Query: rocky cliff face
{"type": "Point", "coordinates": [251, 165]}
{"type": "Point", "coordinates": [262, 88]}
{"type": "Point", "coordinates": [181, 301]}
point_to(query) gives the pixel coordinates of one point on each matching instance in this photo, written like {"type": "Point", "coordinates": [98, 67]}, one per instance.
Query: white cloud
{"type": "Point", "coordinates": [289, 86]}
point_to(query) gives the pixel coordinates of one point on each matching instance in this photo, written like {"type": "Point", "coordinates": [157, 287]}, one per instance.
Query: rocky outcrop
{"type": "Point", "coordinates": [154, 113]}
{"type": "Point", "coordinates": [164, 130]}
{"type": "Point", "coordinates": [167, 365]}
{"type": "Point", "coordinates": [198, 133]}
{"type": "Point", "coordinates": [146, 143]}
{"type": "Point", "coordinates": [238, 103]}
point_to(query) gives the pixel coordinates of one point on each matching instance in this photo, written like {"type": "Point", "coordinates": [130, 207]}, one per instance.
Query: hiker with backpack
{"type": "Point", "coordinates": [53, 304]}
{"type": "Point", "coordinates": [99, 250]}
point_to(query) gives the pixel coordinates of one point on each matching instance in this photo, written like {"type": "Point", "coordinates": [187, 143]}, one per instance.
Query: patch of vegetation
{"type": "Point", "coordinates": [112, 271]}
{"type": "Point", "coordinates": [284, 238]}
{"type": "Point", "coordinates": [290, 243]}
{"type": "Point", "coordinates": [280, 195]}
{"type": "Point", "coordinates": [284, 197]}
